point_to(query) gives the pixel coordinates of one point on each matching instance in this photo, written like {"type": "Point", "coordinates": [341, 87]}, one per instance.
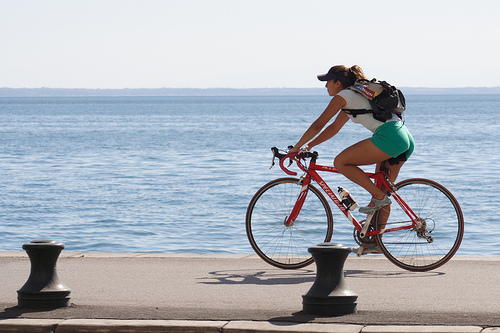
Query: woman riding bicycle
{"type": "Point", "coordinates": [390, 140]}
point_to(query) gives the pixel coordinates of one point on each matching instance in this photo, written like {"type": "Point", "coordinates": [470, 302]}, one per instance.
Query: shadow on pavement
{"type": "Point", "coordinates": [285, 277]}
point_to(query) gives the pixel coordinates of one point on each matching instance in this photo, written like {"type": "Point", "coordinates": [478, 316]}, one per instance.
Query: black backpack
{"type": "Point", "coordinates": [384, 99]}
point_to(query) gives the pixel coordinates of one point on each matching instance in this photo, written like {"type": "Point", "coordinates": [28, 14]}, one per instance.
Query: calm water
{"type": "Point", "coordinates": [175, 174]}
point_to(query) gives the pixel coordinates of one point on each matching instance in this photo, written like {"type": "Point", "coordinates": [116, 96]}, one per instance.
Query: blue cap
{"type": "Point", "coordinates": [332, 76]}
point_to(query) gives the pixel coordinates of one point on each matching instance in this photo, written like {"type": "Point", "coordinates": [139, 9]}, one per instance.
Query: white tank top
{"type": "Point", "coordinates": [357, 101]}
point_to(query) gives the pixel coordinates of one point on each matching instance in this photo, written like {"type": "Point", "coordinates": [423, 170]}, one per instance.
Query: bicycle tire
{"type": "Point", "coordinates": [437, 210]}
{"type": "Point", "coordinates": [287, 246]}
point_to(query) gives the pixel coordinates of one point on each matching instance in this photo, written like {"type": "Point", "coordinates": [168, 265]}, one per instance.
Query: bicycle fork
{"type": "Point", "coordinates": [290, 220]}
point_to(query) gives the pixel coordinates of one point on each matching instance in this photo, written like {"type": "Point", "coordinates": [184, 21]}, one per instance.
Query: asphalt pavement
{"type": "Point", "coordinates": [124, 292]}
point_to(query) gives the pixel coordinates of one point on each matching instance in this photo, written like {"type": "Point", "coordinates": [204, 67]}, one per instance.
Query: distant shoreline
{"type": "Point", "coordinates": [60, 92]}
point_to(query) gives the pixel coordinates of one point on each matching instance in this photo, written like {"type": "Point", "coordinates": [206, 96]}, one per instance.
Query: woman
{"type": "Point", "coordinates": [390, 141]}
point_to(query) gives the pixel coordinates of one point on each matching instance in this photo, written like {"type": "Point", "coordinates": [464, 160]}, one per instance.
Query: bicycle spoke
{"type": "Point", "coordinates": [282, 245]}
{"type": "Point", "coordinates": [437, 235]}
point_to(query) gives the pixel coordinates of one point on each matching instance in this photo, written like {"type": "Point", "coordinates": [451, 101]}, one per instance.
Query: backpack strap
{"type": "Point", "coordinates": [355, 112]}
{"type": "Point", "coordinates": [380, 116]}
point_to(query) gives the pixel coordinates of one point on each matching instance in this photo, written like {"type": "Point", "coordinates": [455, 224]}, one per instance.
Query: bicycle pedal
{"type": "Point", "coordinates": [366, 250]}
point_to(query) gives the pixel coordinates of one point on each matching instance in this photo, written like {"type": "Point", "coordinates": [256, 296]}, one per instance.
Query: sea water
{"type": "Point", "coordinates": [175, 174]}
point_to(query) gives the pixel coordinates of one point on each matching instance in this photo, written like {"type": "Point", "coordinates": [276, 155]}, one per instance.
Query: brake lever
{"type": "Point", "coordinates": [276, 151]}
{"type": "Point", "coordinates": [290, 161]}
{"type": "Point", "coordinates": [272, 162]}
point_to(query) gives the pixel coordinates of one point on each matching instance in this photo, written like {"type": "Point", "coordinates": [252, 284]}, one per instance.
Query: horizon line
{"type": "Point", "coordinates": [185, 92]}
{"type": "Point", "coordinates": [207, 88]}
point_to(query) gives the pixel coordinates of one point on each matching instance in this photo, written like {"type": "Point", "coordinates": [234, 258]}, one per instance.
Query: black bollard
{"type": "Point", "coordinates": [329, 294]}
{"type": "Point", "coordinates": [43, 290]}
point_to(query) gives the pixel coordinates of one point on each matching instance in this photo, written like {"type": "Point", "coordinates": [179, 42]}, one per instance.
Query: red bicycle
{"type": "Point", "coordinates": [420, 231]}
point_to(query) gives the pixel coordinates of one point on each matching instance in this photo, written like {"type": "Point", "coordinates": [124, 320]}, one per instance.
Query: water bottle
{"type": "Point", "coordinates": [347, 199]}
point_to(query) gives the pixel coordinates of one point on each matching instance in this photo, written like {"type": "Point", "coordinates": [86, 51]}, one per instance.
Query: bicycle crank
{"type": "Point", "coordinates": [362, 240]}
{"type": "Point", "coordinates": [364, 231]}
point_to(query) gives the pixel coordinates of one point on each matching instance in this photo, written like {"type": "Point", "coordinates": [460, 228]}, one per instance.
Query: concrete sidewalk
{"type": "Point", "coordinates": [113, 292]}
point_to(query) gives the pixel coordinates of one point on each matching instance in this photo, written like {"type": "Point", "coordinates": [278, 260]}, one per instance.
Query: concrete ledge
{"type": "Point", "coordinates": [13, 254]}
{"type": "Point", "coordinates": [264, 327]}
{"type": "Point", "coordinates": [421, 329]}
{"type": "Point", "coordinates": [193, 326]}
{"type": "Point", "coordinates": [66, 254]}
{"type": "Point", "coordinates": [103, 325]}
{"type": "Point", "coordinates": [29, 325]}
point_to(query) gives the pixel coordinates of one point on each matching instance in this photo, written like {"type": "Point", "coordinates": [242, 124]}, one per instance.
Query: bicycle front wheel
{"type": "Point", "coordinates": [281, 245]}
{"type": "Point", "coordinates": [438, 232]}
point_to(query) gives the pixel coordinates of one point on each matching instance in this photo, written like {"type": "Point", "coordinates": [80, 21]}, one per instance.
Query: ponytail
{"type": "Point", "coordinates": [356, 73]}
{"type": "Point", "coordinates": [344, 74]}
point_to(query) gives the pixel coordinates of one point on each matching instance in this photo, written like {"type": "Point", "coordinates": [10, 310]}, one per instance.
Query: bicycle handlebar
{"type": "Point", "coordinates": [293, 157]}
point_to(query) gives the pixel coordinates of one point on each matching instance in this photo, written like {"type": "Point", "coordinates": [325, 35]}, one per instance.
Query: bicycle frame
{"type": "Point", "coordinates": [311, 174]}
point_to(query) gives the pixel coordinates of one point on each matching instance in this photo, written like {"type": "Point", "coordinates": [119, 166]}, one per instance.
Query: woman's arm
{"type": "Point", "coordinates": [331, 110]}
{"type": "Point", "coordinates": [331, 130]}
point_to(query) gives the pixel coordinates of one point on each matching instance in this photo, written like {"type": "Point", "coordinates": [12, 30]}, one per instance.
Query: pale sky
{"type": "Point", "coordinates": [246, 44]}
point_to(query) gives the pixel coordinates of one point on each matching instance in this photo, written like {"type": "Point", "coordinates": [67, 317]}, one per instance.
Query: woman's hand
{"type": "Point", "coordinates": [294, 150]}
{"type": "Point", "coordinates": [297, 149]}
{"type": "Point", "coordinates": [306, 148]}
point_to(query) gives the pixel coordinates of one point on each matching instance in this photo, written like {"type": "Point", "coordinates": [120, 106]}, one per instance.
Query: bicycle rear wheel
{"type": "Point", "coordinates": [286, 246]}
{"type": "Point", "coordinates": [437, 235]}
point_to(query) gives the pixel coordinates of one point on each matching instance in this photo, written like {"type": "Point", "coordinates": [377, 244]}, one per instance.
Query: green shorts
{"type": "Point", "coordinates": [394, 139]}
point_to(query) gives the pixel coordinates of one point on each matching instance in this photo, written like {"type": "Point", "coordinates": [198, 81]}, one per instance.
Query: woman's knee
{"type": "Point", "coordinates": [339, 162]}
{"type": "Point", "coordinates": [346, 158]}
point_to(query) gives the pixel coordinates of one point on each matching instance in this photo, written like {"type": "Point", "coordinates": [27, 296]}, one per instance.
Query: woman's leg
{"type": "Point", "coordinates": [393, 170]}
{"type": "Point", "coordinates": [392, 174]}
{"type": "Point", "coordinates": [361, 153]}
